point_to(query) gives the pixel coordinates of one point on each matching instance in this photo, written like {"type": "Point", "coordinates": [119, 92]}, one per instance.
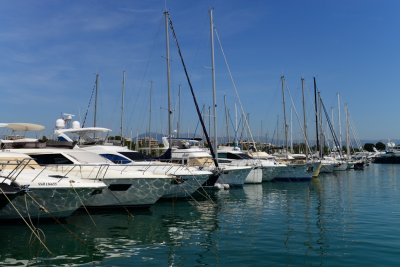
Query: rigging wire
{"type": "Point", "coordinates": [298, 119]}
{"type": "Point", "coordinates": [193, 95]}
{"type": "Point", "coordinates": [90, 102]}
{"type": "Point", "coordinates": [136, 98]}
{"type": "Point", "coordinates": [234, 86]}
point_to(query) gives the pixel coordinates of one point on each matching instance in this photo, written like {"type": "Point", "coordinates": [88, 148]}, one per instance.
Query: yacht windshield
{"type": "Point", "coordinates": [48, 159]}
{"type": "Point", "coordinates": [133, 155]}
{"type": "Point", "coordinates": [117, 159]}
{"type": "Point", "coordinates": [244, 156]}
{"type": "Point", "coordinates": [84, 157]}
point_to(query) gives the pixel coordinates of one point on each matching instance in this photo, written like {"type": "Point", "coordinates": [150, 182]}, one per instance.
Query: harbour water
{"type": "Point", "coordinates": [349, 218]}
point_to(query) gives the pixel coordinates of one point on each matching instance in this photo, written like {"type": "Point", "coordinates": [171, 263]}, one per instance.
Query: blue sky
{"type": "Point", "coordinates": [52, 50]}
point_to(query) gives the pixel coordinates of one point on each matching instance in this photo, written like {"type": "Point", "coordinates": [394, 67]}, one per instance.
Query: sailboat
{"type": "Point", "coordinates": [337, 160]}
{"type": "Point", "coordinates": [185, 151]}
{"type": "Point", "coordinates": [295, 170]}
{"type": "Point", "coordinates": [228, 157]}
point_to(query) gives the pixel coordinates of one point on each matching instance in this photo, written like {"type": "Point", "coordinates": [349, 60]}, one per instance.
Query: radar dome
{"type": "Point", "coordinates": [60, 124]}
{"type": "Point", "coordinates": [76, 125]}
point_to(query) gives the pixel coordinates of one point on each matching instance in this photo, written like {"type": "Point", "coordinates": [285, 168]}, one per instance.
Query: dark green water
{"type": "Point", "coordinates": [349, 218]}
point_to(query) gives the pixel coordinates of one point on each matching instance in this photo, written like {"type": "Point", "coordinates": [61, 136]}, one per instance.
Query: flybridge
{"type": "Point", "coordinates": [65, 126]}
{"type": "Point", "coordinates": [16, 140]}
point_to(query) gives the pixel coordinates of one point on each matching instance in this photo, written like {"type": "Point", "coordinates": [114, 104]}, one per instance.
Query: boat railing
{"type": "Point", "coordinates": [96, 171]}
{"type": "Point", "coordinates": [17, 166]}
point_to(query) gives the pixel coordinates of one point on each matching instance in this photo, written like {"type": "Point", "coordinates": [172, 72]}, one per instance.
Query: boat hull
{"type": "Point", "coordinates": [327, 168]}
{"type": "Point", "coordinates": [270, 172]}
{"type": "Point", "coordinates": [387, 159]}
{"type": "Point", "coordinates": [255, 176]}
{"type": "Point", "coordinates": [46, 203]}
{"type": "Point", "coordinates": [316, 167]}
{"type": "Point", "coordinates": [233, 176]}
{"type": "Point", "coordinates": [342, 166]}
{"type": "Point", "coordinates": [8, 193]}
{"type": "Point", "coordinates": [295, 172]}
{"type": "Point", "coordinates": [184, 186]}
{"type": "Point", "coordinates": [134, 192]}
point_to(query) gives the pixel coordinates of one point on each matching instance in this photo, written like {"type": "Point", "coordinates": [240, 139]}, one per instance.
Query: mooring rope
{"type": "Point", "coordinates": [29, 226]}
{"type": "Point", "coordinates": [84, 206]}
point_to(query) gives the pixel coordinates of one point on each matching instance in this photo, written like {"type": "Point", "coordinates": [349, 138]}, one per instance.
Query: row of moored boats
{"type": "Point", "coordinates": [55, 178]}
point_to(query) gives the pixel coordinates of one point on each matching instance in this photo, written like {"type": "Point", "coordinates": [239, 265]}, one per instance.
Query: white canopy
{"type": "Point", "coordinates": [20, 126]}
{"type": "Point", "coordinates": [84, 131]}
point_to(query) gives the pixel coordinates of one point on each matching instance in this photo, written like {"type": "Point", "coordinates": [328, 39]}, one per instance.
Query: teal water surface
{"type": "Point", "coordinates": [349, 218]}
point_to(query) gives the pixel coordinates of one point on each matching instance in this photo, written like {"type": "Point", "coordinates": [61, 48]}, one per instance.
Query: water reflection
{"type": "Point", "coordinates": [345, 218]}
{"type": "Point", "coordinates": [169, 225]}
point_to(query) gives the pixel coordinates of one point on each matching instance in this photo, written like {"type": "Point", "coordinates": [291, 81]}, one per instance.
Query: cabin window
{"type": "Point", "coordinates": [116, 158]}
{"type": "Point", "coordinates": [50, 159]}
{"type": "Point", "coordinates": [134, 155]}
{"type": "Point", "coordinates": [233, 156]}
{"type": "Point", "coordinates": [119, 187]}
{"type": "Point", "coordinates": [244, 156]}
{"type": "Point", "coordinates": [224, 161]}
{"type": "Point", "coordinates": [222, 155]}
{"type": "Point", "coordinates": [84, 157]}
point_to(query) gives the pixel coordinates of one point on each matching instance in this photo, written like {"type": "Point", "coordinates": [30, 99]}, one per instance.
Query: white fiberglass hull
{"type": "Point", "coordinates": [327, 168]}
{"type": "Point", "coordinates": [295, 172]}
{"type": "Point", "coordinates": [233, 175]}
{"type": "Point", "coordinates": [185, 180]}
{"type": "Point", "coordinates": [127, 186]}
{"type": "Point", "coordinates": [270, 172]}
{"type": "Point", "coordinates": [46, 203]}
{"type": "Point", "coordinates": [315, 167]}
{"type": "Point", "coordinates": [185, 185]}
{"type": "Point", "coordinates": [255, 176]}
{"type": "Point", "coordinates": [341, 166]}
{"type": "Point", "coordinates": [134, 192]}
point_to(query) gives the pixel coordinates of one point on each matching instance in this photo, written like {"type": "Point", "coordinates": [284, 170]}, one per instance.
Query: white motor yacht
{"type": "Point", "coordinates": [126, 187]}
{"type": "Point", "coordinates": [338, 164]}
{"type": "Point", "coordinates": [292, 169]}
{"type": "Point", "coordinates": [231, 156]}
{"type": "Point", "coordinates": [186, 180]}
{"type": "Point", "coordinates": [270, 167]}
{"type": "Point", "coordinates": [188, 151]}
{"type": "Point", "coordinates": [51, 194]}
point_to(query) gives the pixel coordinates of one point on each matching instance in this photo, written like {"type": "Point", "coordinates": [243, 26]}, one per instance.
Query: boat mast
{"type": "Point", "coordinates": [291, 129]}
{"type": "Point", "coordinates": [194, 96]}
{"type": "Point", "coordinates": [179, 112]}
{"type": "Point", "coordinates": [316, 117]}
{"type": "Point", "coordinates": [284, 114]}
{"type": "Point", "coordinates": [236, 142]}
{"type": "Point", "coordinates": [95, 104]}
{"type": "Point", "coordinates": [347, 131]}
{"type": "Point", "coordinates": [226, 120]}
{"type": "Point", "coordinates": [122, 107]}
{"type": "Point", "coordinates": [321, 126]}
{"type": "Point", "coordinates": [213, 80]}
{"type": "Point", "coordinates": [166, 15]}
{"type": "Point", "coordinates": [340, 123]}
{"type": "Point", "coordinates": [209, 119]}
{"type": "Point", "coordinates": [304, 119]}
{"type": "Point", "coordinates": [151, 88]}
{"type": "Point", "coordinates": [333, 126]}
